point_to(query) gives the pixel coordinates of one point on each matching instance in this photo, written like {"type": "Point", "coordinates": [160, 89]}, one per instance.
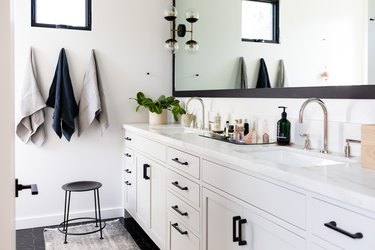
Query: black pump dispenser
{"type": "Point", "coordinates": [283, 129]}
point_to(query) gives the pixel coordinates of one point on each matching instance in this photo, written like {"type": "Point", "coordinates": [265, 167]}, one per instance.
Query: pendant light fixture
{"type": "Point", "coordinates": [192, 16]}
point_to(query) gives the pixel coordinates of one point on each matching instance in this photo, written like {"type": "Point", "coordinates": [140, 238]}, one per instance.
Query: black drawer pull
{"type": "Point", "coordinates": [128, 138]}
{"type": "Point", "coordinates": [240, 241]}
{"type": "Point", "coordinates": [145, 166]}
{"type": "Point", "coordinates": [175, 225]}
{"type": "Point", "coordinates": [128, 155]}
{"type": "Point", "coordinates": [128, 183]}
{"type": "Point", "coordinates": [175, 208]}
{"type": "Point", "coordinates": [178, 186]}
{"type": "Point", "coordinates": [180, 162]}
{"type": "Point", "coordinates": [333, 225]}
{"type": "Point", "coordinates": [235, 237]}
{"type": "Point", "coordinates": [128, 171]}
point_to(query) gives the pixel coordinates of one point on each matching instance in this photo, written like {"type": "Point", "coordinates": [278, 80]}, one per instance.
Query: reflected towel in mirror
{"type": "Point", "coordinates": [263, 78]}
{"type": "Point", "coordinates": [242, 82]}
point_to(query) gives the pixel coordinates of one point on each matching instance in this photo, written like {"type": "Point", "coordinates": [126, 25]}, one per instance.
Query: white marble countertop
{"type": "Point", "coordinates": [347, 182]}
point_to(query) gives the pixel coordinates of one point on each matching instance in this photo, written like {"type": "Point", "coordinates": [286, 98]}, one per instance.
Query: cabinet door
{"type": "Point", "coordinates": [158, 203]}
{"type": "Point", "coordinates": [180, 237]}
{"type": "Point", "coordinates": [262, 234]}
{"type": "Point", "coordinates": [218, 219]}
{"type": "Point", "coordinates": [143, 190]}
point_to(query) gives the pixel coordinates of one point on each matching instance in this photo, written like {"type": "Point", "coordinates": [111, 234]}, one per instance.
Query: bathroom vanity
{"type": "Point", "coordinates": [193, 193]}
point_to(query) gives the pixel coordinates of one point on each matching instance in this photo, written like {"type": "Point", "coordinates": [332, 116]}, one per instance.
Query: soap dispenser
{"type": "Point", "coordinates": [283, 129]}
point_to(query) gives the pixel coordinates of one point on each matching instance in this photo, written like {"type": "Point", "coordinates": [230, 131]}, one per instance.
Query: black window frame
{"type": "Point", "coordinates": [62, 26]}
{"type": "Point", "coordinates": [275, 21]}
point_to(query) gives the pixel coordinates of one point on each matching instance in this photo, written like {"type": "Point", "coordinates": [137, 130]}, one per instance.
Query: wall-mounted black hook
{"type": "Point", "coordinates": [148, 73]}
{"type": "Point", "coordinates": [197, 74]}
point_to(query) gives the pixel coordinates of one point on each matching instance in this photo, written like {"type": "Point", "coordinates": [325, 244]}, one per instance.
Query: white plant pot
{"type": "Point", "coordinates": [157, 119]}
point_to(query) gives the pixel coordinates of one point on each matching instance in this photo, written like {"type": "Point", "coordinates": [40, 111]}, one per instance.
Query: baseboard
{"type": "Point", "coordinates": [51, 220]}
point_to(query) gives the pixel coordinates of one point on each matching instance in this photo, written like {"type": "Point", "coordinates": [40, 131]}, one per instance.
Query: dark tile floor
{"type": "Point", "coordinates": [33, 239]}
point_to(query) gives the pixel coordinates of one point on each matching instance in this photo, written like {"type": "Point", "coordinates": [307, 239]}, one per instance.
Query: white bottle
{"type": "Point", "coordinates": [217, 122]}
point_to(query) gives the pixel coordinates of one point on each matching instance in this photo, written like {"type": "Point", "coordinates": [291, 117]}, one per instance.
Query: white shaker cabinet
{"type": "Point", "coordinates": [130, 183]}
{"type": "Point", "coordinates": [228, 225]}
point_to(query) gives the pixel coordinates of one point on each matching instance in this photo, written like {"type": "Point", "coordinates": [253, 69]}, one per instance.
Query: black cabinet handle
{"type": "Point", "coordinates": [175, 225]}
{"type": "Point", "coordinates": [128, 155]}
{"type": "Point", "coordinates": [178, 186]}
{"type": "Point", "coordinates": [180, 162]}
{"type": "Point", "coordinates": [128, 171]}
{"type": "Point", "coordinates": [175, 208]}
{"type": "Point", "coordinates": [128, 183]}
{"type": "Point", "coordinates": [235, 237]}
{"type": "Point", "coordinates": [128, 138]}
{"type": "Point", "coordinates": [333, 225]}
{"type": "Point", "coordinates": [145, 166]}
{"type": "Point", "coordinates": [240, 241]}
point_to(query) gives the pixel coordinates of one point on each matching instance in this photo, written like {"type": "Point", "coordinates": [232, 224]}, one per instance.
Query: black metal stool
{"type": "Point", "coordinates": [81, 186]}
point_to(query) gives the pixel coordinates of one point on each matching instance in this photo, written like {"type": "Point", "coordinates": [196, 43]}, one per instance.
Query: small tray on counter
{"type": "Point", "coordinates": [230, 140]}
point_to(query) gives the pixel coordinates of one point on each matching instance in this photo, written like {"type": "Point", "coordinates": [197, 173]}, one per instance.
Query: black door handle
{"type": "Point", "coordinates": [333, 225]}
{"type": "Point", "coordinates": [33, 187]}
{"type": "Point", "coordinates": [178, 186]}
{"type": "Point", "coordinates": [128, 183]}
{"type": "Point", "coordinates": [175, 225]}
{"type": "Point", "coordinates": [175, 208]}
{"type": "Point", "coordinates": [128, 171]}
{"type": "Point", "coordinates": [235, 237]}
{"type": "Point", "coordinates": [128, 138]}
{"type": "Point", "coordinates": [128, 155]}
{"type": "Point", "coordinates": [180, 162]}
{"type": "Point", "coordinates": [240, 241]}
{"type": "Point", "coordinates": [145, 166]}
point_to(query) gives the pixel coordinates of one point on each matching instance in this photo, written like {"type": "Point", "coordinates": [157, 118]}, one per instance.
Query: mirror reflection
{"type": "Point", "coordinates": [321, 43]}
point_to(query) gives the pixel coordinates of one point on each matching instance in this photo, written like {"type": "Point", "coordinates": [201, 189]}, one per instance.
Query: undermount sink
{"type": "Point", "coordinates": [293, 159]}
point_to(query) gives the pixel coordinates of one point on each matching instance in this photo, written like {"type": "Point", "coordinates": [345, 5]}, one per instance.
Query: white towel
{"type": "Point", "coordinates": [30, 116]}
{"type": "Point", "coordinates": [92, 103]}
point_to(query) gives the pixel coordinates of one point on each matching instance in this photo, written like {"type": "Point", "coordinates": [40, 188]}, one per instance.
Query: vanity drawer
{"type": "Point", "coordinates": [150, 147]}
{"type": "Point", "coordinates": [324, 213]}
{"type": "Point", "coordinates": [184, 187]}
{"type": "Point", "coordinates": [180, 237]}
{"type": "Point", "coordinates": [129, 158]}
{"type": "Point", "coordinates": [185, 162]}
{"type": "Point", "coordinates": [183, 211]}
{"type": "Point", "coordinates": [279, 201]}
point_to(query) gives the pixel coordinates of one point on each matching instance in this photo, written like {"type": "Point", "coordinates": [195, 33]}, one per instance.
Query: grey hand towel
{"type": "Point", "coordinates": [61, 98]}
{"type": "Point", "coordinates": [263, 78]}
{"type": "Point", "coordinates": [281, 76]}
{"type": "Point", "coordinates": [31, 111]}
{"type": "Point", "coordinates": [92, 103]}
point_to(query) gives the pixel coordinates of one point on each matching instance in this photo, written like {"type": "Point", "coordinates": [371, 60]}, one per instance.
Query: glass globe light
{"type": "Point", "coordinates": [170, 13]}
{"type": "Point", "coordinates": [192, 15]}
{"type": "Point", "coordinates": [191, 46]}
{"type": "Point", "coordinates": [171, 45]}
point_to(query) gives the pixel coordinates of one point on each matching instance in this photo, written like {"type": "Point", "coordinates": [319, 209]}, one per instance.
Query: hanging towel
{"type": "Point", "coordinates": [263, 78]}
{"type": "Point", "coordinates": [31, 114]}
{"type": "Point", "coordinates": [61, 98]}
{"type": "Point", "coordinates": [92, 103]}
{"type": "Point", "coordinates": [281, 80]}
{"type": "Point", "coordinates": [243, 74]}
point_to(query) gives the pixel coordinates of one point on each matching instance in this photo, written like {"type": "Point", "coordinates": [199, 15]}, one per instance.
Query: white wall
{"type": "Point", "coordinates": [7, 233]}
{"type": "Point", "coordinates": [128, 37]}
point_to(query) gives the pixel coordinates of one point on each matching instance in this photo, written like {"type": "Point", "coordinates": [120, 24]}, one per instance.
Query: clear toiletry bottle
{"type": "Point", "coordinates": [283, 129]}
{"type": "Point", "coordinates": [217, 123]}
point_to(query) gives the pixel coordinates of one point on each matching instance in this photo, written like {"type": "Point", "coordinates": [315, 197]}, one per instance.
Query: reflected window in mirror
{"type": "Point", "coordinates": [63, 14]}
{"type": "Point", "coordinates": [260, 21]}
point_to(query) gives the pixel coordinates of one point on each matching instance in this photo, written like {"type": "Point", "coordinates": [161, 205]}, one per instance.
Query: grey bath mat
{"type": "Point", "coordinates": [114, 234]}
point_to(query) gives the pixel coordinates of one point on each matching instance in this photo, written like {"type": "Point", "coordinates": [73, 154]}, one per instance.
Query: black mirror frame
{"type": "Point", "coordinates": [62, 26]}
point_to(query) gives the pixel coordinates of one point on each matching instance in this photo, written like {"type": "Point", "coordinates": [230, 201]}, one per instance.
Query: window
{"type": "Point", "coordinates": [260, 21]}
{"type": "Point", "coordinates": [64, 14]}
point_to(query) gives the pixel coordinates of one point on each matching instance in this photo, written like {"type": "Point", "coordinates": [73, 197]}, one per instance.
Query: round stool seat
{"type": "Point", "coordinates": [81, 186]}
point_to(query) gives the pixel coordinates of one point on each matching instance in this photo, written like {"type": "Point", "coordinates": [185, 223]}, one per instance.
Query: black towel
{"type": "Point", "coordinates": [263, 78]}
{"type": "Point", "coordinates": [61, 98]}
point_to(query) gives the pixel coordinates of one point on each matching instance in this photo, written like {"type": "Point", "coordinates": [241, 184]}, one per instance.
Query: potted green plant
{"type": "Point", "coordinates": [158, 108]}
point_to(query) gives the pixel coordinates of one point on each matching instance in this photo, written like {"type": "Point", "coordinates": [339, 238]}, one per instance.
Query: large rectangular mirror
{"type": "Point", "coordinates": [327, 48]}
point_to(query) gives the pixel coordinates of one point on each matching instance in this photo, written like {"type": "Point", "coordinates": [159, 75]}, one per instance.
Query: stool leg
{"type": "Point", "coordinates": [65, 211]}
{"type": "Point", "coordinates": [67, 219]}
{"type": "Point", "coordinates": [100, 217]}
{"type": "Point", "coordinates": [96, 211]}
